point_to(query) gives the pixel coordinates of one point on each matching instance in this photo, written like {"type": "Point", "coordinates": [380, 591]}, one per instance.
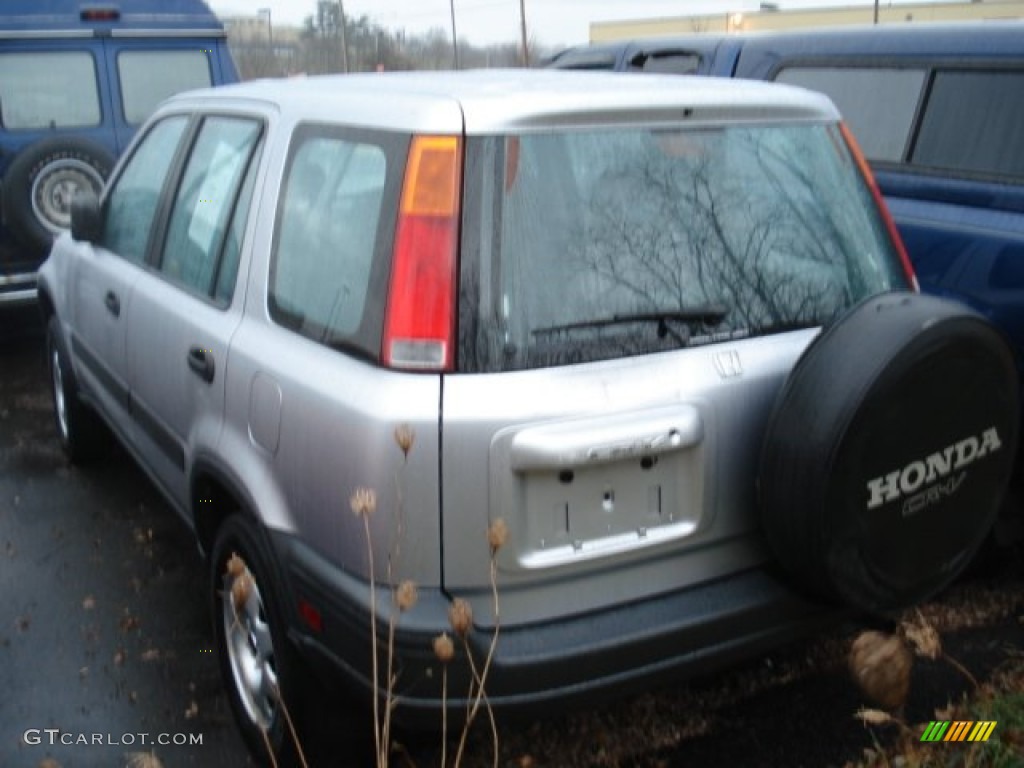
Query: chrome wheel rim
{"type": "Point", "coordinates": [250, 650]}
{"type": "Point", "coordinates": [55, 187]}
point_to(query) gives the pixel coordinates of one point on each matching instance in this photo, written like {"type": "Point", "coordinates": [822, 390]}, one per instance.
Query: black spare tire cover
{"type": "Point", "coordinates": [889, 450]}
{"type": "Point", "coordinates": [41, 182]}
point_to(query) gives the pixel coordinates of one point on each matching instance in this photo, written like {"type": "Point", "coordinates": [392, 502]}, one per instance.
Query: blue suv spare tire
{"type": "Point", "coordinates": [889, 450]}
{"type": "Point", "coordinates": [41, 182]}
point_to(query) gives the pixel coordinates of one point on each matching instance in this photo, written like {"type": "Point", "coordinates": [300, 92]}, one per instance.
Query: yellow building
{"type": "Point", "coordinates": [767, 18]}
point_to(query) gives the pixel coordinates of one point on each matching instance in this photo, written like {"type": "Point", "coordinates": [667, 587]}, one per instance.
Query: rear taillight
{"type": "Point", "coordinates": [419, 326]}
{"type": "Point", "coordinates": [883, 209]}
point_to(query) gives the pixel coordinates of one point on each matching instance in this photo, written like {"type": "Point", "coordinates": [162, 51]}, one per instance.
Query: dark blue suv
{"type": "Point", "coordinates": [76, 80]}
{"type": "Point", "coordinates": [938, 110]}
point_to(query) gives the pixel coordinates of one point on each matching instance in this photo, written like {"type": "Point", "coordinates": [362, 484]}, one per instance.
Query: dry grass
{"type": "Point", "coordinates": [404, 594]}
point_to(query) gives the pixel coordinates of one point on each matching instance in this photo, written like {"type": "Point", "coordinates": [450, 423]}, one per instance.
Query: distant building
{"type": "Point", "coordinates": [771, 17]}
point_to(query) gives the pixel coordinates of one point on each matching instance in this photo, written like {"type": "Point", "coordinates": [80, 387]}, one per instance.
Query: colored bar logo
{"type": "Point", "coordinates": [958, 730]}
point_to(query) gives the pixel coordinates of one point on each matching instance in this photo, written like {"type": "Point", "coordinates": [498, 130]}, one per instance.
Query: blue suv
{"type": "Point", "coordinates": [76, 80]}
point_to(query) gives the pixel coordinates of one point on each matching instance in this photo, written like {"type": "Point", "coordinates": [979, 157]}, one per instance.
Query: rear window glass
{"type": "Point", "coordinates": [596, 245]}
{"type": "Point", "coordinates": [149, 77]}
{"type": "Point", "coordinates": [48, 90]}
{"type": "Point", "coordinates": [877, 103]}
{"type": "Point", "coordinates": [973, 123]}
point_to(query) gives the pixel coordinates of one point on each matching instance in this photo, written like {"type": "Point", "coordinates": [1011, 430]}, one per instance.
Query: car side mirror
{"type": "Point", "coordinates": [86, 222]}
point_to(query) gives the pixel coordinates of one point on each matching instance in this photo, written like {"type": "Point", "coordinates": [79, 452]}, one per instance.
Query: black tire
{"type": "Point", "coordinates": [889, 450]}
{"type": "Point", "coordinates": [254, 634]}
{"type": "Point", "coordinates": [42, 180]}
{"type": "Point", "coordinates": [82, 434]}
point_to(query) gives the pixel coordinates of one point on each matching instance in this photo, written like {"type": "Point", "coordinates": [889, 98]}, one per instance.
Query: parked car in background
{"type": "Point", "coordinates": [76, 80]}
{"type": "Point", "coordinates": [937, 110]}
{"type": "Point", "coordinates": [662, 329]}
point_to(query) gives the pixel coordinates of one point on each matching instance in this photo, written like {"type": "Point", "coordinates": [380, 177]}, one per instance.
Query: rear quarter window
{"type": "Point", "coordinates": [333, 236]}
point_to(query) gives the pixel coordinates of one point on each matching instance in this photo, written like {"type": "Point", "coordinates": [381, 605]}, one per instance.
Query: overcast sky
{"type": "Point", "coordinates": [482, 22]}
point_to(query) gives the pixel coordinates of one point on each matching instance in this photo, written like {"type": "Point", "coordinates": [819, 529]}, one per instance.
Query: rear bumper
{"type": "Point", "coordinates": [17, 289]}
{"type": "Point", "coordinates": [582, 658]}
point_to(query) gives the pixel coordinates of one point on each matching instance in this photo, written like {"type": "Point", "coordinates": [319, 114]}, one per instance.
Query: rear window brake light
{"type": "Point", "coordinates": [99, 13]}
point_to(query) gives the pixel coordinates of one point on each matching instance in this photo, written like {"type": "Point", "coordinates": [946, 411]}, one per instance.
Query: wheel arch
{"type": "Point", "coordinates": [46, 306]}
{"type": "Point", "coordinates": [215, 494]}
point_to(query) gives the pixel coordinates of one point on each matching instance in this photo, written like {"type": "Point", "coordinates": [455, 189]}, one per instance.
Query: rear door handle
{"type": "Point", "coordinates": [200, 360]}
{"type": "Point", "coordinates": [113, 303]}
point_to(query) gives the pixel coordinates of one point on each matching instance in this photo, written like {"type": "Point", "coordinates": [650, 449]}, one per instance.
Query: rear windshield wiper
{"type": "Point", "coordinates": [710, 315]}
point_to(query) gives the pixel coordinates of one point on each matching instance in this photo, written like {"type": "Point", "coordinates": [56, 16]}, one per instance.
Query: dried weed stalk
{"type": "Point", "coordinates": [880, 664]}
{"type": "Point", "coordinates": [873, 658]}
{"type": "Point", "coordinates": [925, 640]}
{"type": "Point", "coordinates": [404, 595]}
{"type": "Point", "coordinates": [242, 585]}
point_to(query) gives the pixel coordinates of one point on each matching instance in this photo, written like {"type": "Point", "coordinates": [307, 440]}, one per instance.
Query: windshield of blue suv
{"type": "Point", "coordinates": [590, 245]}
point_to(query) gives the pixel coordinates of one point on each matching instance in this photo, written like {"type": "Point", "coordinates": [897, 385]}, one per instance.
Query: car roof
{"type": "Point", "coordinates": [993, 37]}
{"type": "Point", "coordinates": [37, 16]}
{"type": "Point", "coordinates": [487, 101]}
{"type": "Point", "coordinates": [987, 38]}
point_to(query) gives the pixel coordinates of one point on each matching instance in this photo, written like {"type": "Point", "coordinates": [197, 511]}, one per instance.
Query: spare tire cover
{"type": "Point", "coordinates": [41, 182]}
{"type": "Point", "coordinates": [889, 450]}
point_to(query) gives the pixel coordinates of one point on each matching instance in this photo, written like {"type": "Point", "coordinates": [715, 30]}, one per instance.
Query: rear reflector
{"type": "Point", "coordinates": [883, 209]}
{"type": "Point", "coordinates": [420, 323]}
{"type": "Point", "coordinates": [310, 615]}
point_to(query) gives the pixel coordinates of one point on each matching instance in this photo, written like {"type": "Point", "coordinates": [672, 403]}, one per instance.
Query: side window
{"type": "Point", "coordinates": [48, 90]}
{"type": "Point", "coordinates": [327, 225]}
{"type": "Point", "coordinates": [132, 203]}
{"type": "Point", "coordinates": [205, 200]}
{"type": "Point", "coordinates": [973, 122]}
{"type": "Point", "coordinates": [584, 58]}
{"type": "Point", "coordinates": [228, 272]}
{"type": "Point", "coordinates": [672, 63]}
{"type": "Point", "coordinates": [149, 77]}
{"type": "Point", "coordinates": [877, 103]}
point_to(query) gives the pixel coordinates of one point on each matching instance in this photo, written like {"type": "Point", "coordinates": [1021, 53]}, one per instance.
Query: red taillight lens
{"type": "Point", "coordinates": [419, 326]}
{"type": "Point", "coordinates": [883, 209]}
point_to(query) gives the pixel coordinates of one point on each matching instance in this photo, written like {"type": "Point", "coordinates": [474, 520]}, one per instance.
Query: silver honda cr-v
{"type": "Point", "coordinates": [661, 329]}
